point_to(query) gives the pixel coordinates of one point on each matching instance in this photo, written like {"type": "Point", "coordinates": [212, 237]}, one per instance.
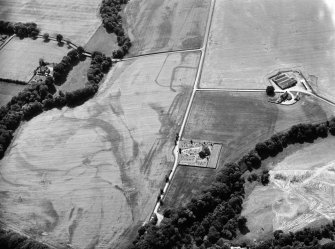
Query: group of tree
{"type": "Point", "coordinates": [25, 105]}
{"type": "Point", "coordinates": [214, 217]}
{"type": "Point", "coordinates": [112, 21]}
{"type": "Point", "coordinates": [13, 240]}
{"type": "Point", "coordinates": [22, 30]}
{"type": "Point", "coordinates": [100, 64]}
{"type": "Point", "coordinates": [210, 218]}
{"type": "Point", "coordinates": [299, 133]}
{"type": "Point", "coordinates": [308, 238]}
{"type": "Point", "coordinates": [37, 97]}
{"type": "Point", "coordinates": [62, 69]}
{"type": "Point", "coordinates": [270, 90]}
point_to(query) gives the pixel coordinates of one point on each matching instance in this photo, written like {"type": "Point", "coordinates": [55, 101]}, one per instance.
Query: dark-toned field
{"type": "Point", "coordinates": [158, 25]}
{"type": "Point", "coordinates": [102, 41]}
{"type": "Point", "coordinates": [238, 121]}
{"type": "Point", "coordinates": [8, 90]}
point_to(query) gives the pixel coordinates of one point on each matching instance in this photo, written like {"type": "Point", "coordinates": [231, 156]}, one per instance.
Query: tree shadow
{"type": "Point", "coordinates": [244, 230]}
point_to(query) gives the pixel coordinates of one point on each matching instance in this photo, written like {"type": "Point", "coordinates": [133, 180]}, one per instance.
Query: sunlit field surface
{"type": "Point", "coordinates": [90, 176]}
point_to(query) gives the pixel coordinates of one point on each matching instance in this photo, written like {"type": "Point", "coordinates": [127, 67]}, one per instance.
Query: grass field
{"type": "Point", "coordinates": [300, 193]}
{"type": "Point", "coordinates": [158, 25]}
{"type": "Point", "coordinates": [102, 41]}
{"type": "Point", "coordinates": [250, 39]}
{"type": "Point", "coordinates": [8, 90]}
{"type": "Point", "coordinates": [77, 20]}
{"type": "Point", "coordinates": [90, 176]}
{"type": "Point", "coordinates": [238, 121]}
{"type": "Point", "coordinates": [77, 76]}
{"type": "Point", "coordinates": [19, 58]}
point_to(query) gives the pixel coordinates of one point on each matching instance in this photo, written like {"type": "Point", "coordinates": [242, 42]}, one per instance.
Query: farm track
{"type": "Point", "coordinates": [162, 52]}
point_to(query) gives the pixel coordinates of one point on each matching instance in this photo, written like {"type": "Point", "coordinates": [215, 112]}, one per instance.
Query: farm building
{"type": "Point", "coordinates": [283, 81]}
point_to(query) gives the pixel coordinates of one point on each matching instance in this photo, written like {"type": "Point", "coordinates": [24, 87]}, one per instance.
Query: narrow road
{"type": "Point", "coordinates": [263, 90]}
{"type": "Point", "coordinates": [229, 90]}
{"type": "Point", "coordinates": [162, 52]}
{"type": "Point", "coordinates": [195, 88]}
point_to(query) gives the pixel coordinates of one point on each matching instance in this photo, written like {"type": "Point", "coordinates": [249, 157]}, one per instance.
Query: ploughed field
{"type": "Point", "coordinates": [158, 25]}
{"type": "Point", "coordinates": [19, 58]}
{"type": "Point", "coordinates": [77, 20]}
{"type": "Point", "coordinates": [300, 192]}
{"type": "Point", "coordinates": [90, 176]}
{"type": "Point", "coordinates": [250, 39]}
{"type": "Point", "coordinates": [238, 121]}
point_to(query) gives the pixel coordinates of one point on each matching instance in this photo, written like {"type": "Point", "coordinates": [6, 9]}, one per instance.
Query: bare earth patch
{"type": "Point", "coordinates": [76, 20]}
{"type": "Point", "coordinates": [19, 58]}
{"type": "Point", "coordinates": [90, 176]}
{"type": "Point", "coordinates": [158, 25]}
{"type": "Point", "coordinates": [8, 90]}
{"type": "Point", "coordinates": [300, 193]}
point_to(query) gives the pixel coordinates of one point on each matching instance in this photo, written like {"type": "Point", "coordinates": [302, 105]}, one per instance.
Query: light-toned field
{"type": "Point", "coordinates": [238, 121]}
{"type": "Point", "coordinates": [90, 176]}
{"type": "Point", "coordinates": [158, 25]}
{"type": "Point", "coordinates": [19, 58]}
{"type": "Point", "coordinates": [249, 39]}
{"type": "Point", "coordinates": [76, 20]}
{"type": "Point", "coordinates": [8, 90]}
{"type": "Point", "coordinates": [300, 193]}
{"type": "Point", "coordinates": [77, 76]}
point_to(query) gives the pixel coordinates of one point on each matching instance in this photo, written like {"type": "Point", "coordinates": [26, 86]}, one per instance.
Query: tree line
{"type": "Point", "coordinates": [100, 64]}
{"type": "Point", "coordinates": [19, 82]}
{"type": "Point", "coordinates": [39, 97]}
{"type": "Point", "coordinates": [214, 216]}
{"type": "Point", "coordinates": [112, 21]}
{"type": "Point", "coordinates": [308, 238]}
{"type": "Point", "coordinates": [22, 30]}
{"type": "Point", "coordinates": [62, 69]}
{"type": "Point", "coordinates": [13, 240]}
